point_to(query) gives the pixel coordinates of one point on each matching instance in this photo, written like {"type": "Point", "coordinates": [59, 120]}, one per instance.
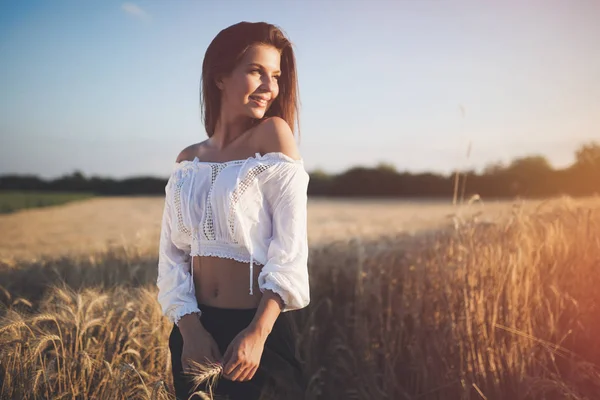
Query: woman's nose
{"type": "Point", "coordinates": [269, 83]}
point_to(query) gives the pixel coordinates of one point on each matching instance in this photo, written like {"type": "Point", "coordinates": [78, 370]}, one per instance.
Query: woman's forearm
{"type": "Point", "coordinates": [190, 325]}
{"type": "Point", "coordinates": [268, 310]}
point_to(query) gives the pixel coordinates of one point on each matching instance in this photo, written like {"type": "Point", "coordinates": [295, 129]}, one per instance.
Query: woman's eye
{"type": "Point", "coordinates": [276, 77]}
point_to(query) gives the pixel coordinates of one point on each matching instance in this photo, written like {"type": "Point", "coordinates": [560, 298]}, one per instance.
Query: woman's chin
{"type": "Point", "coordinates": [257, 113]}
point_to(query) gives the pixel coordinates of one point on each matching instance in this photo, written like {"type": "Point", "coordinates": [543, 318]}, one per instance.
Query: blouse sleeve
{"type": "Point", "coordinates": [176, 293]}
{"type": "Point", "coordinates": [286, 269]}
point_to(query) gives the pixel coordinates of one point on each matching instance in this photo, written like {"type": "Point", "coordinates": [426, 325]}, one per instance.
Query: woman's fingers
{"type": "Point", "coordinates": [229, 365]}
{"type": "Point", "coordinates": [242, 373]}
{"type": "Point", "coordinates": [235, 374]}
{"type": "Point", "coordinates": [248, 374]}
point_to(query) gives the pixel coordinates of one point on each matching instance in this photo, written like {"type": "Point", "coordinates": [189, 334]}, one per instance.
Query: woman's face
{"type": "Point", "coordinates": [252, 86]}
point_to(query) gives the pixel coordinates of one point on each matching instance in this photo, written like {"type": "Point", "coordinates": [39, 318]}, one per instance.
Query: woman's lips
{"type": "Point", "coordinates": [258, 101]}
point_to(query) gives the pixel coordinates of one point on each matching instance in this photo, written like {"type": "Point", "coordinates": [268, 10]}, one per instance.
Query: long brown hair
{"type": "Point", "coordinates": [225, 52]}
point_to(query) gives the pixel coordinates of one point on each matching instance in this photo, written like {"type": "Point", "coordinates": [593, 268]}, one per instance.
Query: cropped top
{"type": "Point", "coordinates": [247, 210]}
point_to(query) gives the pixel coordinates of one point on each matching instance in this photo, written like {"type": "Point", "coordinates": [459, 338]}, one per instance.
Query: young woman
{"type": "Point", "coordinates": [235, 221]}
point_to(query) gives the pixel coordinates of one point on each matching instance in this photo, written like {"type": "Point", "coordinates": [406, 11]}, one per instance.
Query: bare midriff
{"type": "Point", "coordinates": [225, 283]}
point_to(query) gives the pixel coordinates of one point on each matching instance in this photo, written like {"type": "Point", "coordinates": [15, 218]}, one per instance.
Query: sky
{"type": "Point", "coordinates": [111, 88]}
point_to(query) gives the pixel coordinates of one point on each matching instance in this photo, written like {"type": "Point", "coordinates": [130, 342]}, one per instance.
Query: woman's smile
{"type": "Point", "coordinates": [259, 101]}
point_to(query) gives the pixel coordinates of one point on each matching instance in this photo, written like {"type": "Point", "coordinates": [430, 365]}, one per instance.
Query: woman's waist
{"type": "Point", "coordinates": [225, 282]}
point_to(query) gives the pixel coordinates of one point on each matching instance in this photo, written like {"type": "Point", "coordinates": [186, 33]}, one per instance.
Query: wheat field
{"type": "Point", "coordinates": [409, 300]}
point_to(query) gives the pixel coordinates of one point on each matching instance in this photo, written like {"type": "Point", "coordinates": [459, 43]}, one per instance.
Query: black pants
{"type": "Point", "coordinates": [279, 373]}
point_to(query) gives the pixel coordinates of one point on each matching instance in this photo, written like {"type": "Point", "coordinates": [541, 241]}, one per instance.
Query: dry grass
{"type": "Point", "coordinates": [89, 344]}
{"type": "Point", "coordinates": [478, 311]}
{"type": "Point", "coordinates": [102, 224]}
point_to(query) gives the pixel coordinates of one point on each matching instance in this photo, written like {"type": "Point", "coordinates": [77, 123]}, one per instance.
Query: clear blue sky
{"type": "Point", "coordinates": [111, 88]}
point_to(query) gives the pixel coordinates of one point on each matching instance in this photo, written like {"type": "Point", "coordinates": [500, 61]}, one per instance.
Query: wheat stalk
{"type": "Point", "coordinates": [201, 373]}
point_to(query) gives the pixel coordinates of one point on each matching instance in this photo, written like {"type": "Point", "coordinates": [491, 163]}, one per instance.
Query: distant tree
{"type": "Point", "coordinates": [320, 182]}
{"type": "Point", "coordinates": [76, 181]}
{"type": "Point", "coordinates": [588, 156]}
{"type": "Point", "coordinates": [529, 176]}
{"type": "Point", "coordinates": [531, 165]}
{"type": "Point", "coordinates": [319, 173]}
{"type": "Point", "coordinates": [77, 175]}
{"type": "Point", "coordinates": [386, 166]}
{"type": "Point", "coordinates": [583, 178]}
{"type": "Point", "coordinates": [494, 168]}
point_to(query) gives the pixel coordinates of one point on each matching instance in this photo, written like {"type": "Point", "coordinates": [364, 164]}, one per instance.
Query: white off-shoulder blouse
{"type": "Point", "coordinates": [252, 210]}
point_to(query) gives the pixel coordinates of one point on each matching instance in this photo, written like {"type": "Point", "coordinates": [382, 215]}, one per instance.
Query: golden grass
{"type": "Point", "coordinates": [205, 373]}
{"type": "Point", "coordinates": [101, 224]}
{"type": "Point", "coordinates": [479, 311]}
{"type": "Point", "coordinates": [85, 344]}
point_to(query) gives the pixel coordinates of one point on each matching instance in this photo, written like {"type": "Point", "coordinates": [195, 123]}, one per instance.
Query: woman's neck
{"type": "Point", "coordinates": [230, 130]}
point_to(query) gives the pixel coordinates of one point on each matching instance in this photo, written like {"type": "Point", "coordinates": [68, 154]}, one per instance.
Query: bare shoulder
{"type": "Point", "coordinates": [189, 152]}
{"type": "Point", "coordinates": [275, 135]}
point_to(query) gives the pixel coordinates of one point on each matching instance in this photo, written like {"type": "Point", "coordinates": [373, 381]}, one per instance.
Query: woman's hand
{"type": "Point", "coordinates": [243, 355]}
{"type": "Point", "coordinates": [200, 348]}
{"type": "Point", "coordinates": [198, 343]}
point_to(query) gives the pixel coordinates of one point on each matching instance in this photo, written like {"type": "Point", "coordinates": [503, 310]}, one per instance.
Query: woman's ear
{"type": "Point", "coordinates": [219, 83]}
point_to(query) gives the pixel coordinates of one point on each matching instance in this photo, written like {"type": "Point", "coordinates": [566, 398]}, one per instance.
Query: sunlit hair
{"type": "Point", "coordinates": [225, 52]}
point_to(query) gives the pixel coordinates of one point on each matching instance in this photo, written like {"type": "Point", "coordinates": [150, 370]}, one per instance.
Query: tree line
{"type": "Point", "coordinates": [531, 177]}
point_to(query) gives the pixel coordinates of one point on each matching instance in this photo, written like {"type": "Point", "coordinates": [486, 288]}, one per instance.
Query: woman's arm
{"type": "Point", "coordinates": [268, 310]}
{"type": "Point", "coordinates": [242, 358]}
{"type": "Point", "coordinates": [283, 279]}
{"type": "Point", "coordinates": [176, 293]}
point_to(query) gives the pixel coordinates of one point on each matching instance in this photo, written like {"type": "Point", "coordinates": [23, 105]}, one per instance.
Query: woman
{"type": "Point", "coordinates": [234, 201]}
